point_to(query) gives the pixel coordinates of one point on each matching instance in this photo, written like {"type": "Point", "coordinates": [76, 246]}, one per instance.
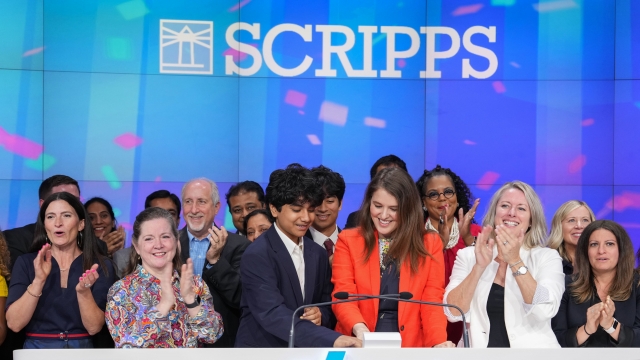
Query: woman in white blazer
{"type": "Point", "coordinates": [509, 285]}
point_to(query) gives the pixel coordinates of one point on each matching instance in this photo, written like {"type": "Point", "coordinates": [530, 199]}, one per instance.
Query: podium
{"type": "Point", "coordinates": [328, 354]}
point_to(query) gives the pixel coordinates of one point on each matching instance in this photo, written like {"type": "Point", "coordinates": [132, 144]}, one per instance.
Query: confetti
{"type": "Point", "coordinates": [467, 9]}
{"type": "Point", "coordinates": [487, 180]}
{"type": "Point", "coordinates": [502, 2]}
{"type": "Point", "coordinates": [295, 98]}
{"type": "Point", "coordinates": [128, 141]}
{"type": "Point", "coordinates": [238, 6]}
{"type": "Point", "coordinates": [313, 139]}
{"type": "Point", "coordinates": [402, 63]}
{"type": "Point", "coordinates": [300, 112]}
{"type": "Point", "coordinates": [119, 48]}
{"type": "Point", "coordinates": [42, 163]}
{"type": "Point", "coordinates": [111, 177]}
{"type": "Point", "coordinates": [498, 86]}
{"type": "Point", "coordinates": [469, 142]}
{"type": "Point", "coordinates": [515, 64]}
{"type": "Point", "coordinates": [132, 9]}
{"type": "Point", "coordinates": [158, 179]}
{"type": "Point", "coordinates": [373, 122]}
{"type": "Point", "coordinates": [333, 113]}
{"type": "Point", "coordinates": [577, 164]}
{"type": "Point", "coordinates": [588, 122]}
{"type": "Point", "coordinates": [555, 6]}
{"type": "Point", "coordinates": [20, 145]}
{"type": "Point", "coordinates": [237, 55]}
{"type": "Point", "coordinates": [33, 51]}
{"type": "Point", "coordinates": [637, 104]}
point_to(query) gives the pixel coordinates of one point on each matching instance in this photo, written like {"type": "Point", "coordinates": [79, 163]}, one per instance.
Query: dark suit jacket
{"type": "Point", "coordinates": [19, 241]}
{"type": "Point", "coordinates": [352, 220]}
{"type": "Point", "coordinates": [271, 292]}
{"type": "Point", "coordinates": [223, 280]}
{"type": "Point", "coordinates": [572, 315]}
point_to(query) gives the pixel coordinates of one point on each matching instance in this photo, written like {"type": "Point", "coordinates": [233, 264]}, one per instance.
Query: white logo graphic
{"type": "Point", "coordinates": [186, 47]}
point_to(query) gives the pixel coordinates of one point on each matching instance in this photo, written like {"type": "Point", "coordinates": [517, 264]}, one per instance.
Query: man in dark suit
{"type": "Point", "coordinates": [243, 198]}
{"type": "Point", "coordinates": [383, 162]}
{"type": "Point", "coordinates": [215, 253]}
{"type": "Point", "coordinates": [324, 230]}
{"type": "Point", "coordinates": [283, 270]}
{"type": "Point", "coordinates": [19, 239]}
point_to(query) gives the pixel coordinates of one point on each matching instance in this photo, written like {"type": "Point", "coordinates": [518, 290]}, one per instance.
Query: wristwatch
{"type": "Point", "coordinates": [613, 327]}
{"type": "Point", "coordinates": [521, 271]}
{"type": "Point", "coordinates": [195, 303]}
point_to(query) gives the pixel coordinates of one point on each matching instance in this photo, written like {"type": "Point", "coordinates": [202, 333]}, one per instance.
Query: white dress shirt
{"type": "Point", "coordinates": [319, 238]}
{"type": "Point", "coordinates": [296, 253]}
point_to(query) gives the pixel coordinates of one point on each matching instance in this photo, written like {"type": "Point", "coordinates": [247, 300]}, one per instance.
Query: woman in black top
{"type": "Point", "coordinates": [601, 304]}
{"type": "Point", "coordinates": [566, 227]}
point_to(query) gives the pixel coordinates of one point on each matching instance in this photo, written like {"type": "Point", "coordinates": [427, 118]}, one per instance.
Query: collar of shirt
{"type": "Point", "coordinates": [193, 237]}
{"type": "Point", "coordinates": [288, 243]}
{"type": "Point", "coordinates": [319, 238]}
{"type": "Point", "coordinates": [147, 279]}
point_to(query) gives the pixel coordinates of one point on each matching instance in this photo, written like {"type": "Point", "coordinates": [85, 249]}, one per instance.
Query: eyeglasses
{"type": "Point", "coordinates": [434, 195]}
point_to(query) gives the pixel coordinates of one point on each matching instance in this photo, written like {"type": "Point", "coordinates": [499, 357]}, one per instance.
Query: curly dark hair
{"type": "Point", "coordinates": [293, 185]}
{"type": "Point", "coordinates": [331, 182]}
{"type": "Point", "coordinates": [4, 258]}
{"type": "Point", "coordinates": [465, 198]}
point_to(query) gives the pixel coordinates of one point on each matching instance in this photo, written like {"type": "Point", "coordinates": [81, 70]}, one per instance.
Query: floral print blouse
{"type": "Point", "coordinates": [134, 321]}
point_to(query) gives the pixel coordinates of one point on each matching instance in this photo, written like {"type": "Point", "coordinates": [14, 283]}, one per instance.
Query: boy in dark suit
{"type": "Point", "coordinates": [283, 270]}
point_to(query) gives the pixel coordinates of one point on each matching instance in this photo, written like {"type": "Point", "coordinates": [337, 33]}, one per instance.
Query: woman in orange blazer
{"type": "Point", "coordinates": [391, 252]}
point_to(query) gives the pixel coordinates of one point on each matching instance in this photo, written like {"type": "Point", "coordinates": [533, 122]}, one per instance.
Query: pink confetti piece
{"type": "Point", "coordinates": [333, 113]}
{"type": "Point", "coordinates": [237, 54]}
{"type": "Point", "coordinates": [373, 122]}
{"type": "Point", "coordinates": [624, 201]}
{"type": "Point", "coordinates": [487, 180]}
{"type": "Point", "coordinates": [402, 63]}
{"type": "Point", "coordinates": [466, 10]}
{"type": "Point", "coordinates": [515, 64]}
{"type": "Point", "coordinates": [126, 226]}
{"type": "Point", "coordinates": [20, 145]}
{"type": "Point", "coordinates": [555, 6]}
{"type": "Point", "coordinates": [313, 139]}
{"type": "Point", "coordinates": [237, 7]}
{"type": "Point", "coordinates": [469, 142]}
{"type": "Point", "coordinates": [33, 51]}
{"type": "Point", "coordinates": [498, 86]}
{"type": "Point", "coordinates": [630, 225]}
{"type": "Point", "coordinates": [588, 122]}
{"type": "Point", "coordinates": [158, 179]}
{"type": "Point", "coordinates": [295, 98]}
{"type": "Point", "coordinates": [577, 164]}
{"type": "Point", "coordinates": [128, 141]}
{"type": "Point", "coordinates": [300, 112]}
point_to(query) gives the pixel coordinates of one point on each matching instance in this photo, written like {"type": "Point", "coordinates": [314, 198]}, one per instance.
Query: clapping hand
{"type": "Point", "coordinates": [87, 279]}
{"type": "Point", "coordinates": [465, 220]}
{"type": "Point", "coordinates": [115, 240]}
{"type": "Point", "coordinates": [608, 309]}
{"type": "Point", "coordinates": [594, 317]}
{"type": "Point", "coordinates": [187, 290]}
{"type": "Point", "coordinates": [217, 239]}
{"type": "Point", "coordinates": [484, 247]}
{"type": "Point", "coordinates": [42, 263]}
{"type": "Point", "coordinates": [509, 243]}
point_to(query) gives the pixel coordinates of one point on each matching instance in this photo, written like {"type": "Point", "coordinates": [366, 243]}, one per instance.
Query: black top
{"type": "Point", "coordinates": [498, 336]}
{"type": "Point", "coordinates": [19, 241]}
{"type": "Point", "coordinates": [388, 309]}
{"type": "Point", "coordinates": [571, 316]}
{"type": "Point", "coordinates": [352, 220]}
{"type": "Point", "coordinates": [567, 267]}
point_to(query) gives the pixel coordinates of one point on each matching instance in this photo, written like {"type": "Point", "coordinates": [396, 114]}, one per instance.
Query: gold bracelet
{"type": "Point", "coordinates": [37, 296]}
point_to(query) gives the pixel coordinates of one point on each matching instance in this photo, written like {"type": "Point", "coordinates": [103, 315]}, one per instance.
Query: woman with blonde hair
{"type": "Point", "coordinates": [566, 227]}
{"type": "Point", "coordinates": [508, 284]}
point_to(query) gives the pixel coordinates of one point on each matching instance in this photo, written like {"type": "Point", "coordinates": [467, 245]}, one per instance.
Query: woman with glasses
{"type": "Point", "coordinates": [444, 195]}
{"type": "Point", "coordinates": [566, 227]}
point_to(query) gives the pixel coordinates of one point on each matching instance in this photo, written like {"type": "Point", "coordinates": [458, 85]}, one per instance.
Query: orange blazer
{"type": "Point", "coordinates": [420, 325]}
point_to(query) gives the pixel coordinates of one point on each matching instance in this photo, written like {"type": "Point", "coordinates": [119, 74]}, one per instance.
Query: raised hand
{"type": "Point", "coordinates": [484, 247]}
{"type": "Point", "coordinates": [217, 239]}
{"type": "Point", "coordinates": [443, 229]}
{"type": "Point", "coordinates": [115, 240]}
{"type": "Point", "coordinates": [42, 263]}
{"type": "Point", "coordinates": [509, 243]}
{"type": "Point", "coordinates": [465, 220]}
{"type": "Point", "coordinates": [187, 287]}
{"type": "Point", "coordinates": [594, 317]}
{"type": "Point", "coordinates": [446, 344]}
{"type": "Point", "coordinates": [87, 279]}
{"type": "Point", "coordinates": [608, 309]}
{"type": "Point", "coordinates": [312, 314]}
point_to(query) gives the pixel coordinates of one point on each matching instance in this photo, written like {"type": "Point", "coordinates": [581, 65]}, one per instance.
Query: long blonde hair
{"type": "Point", "coordinates": [537, 232]}
{"type": "Point", "coordinates": [556, 241]}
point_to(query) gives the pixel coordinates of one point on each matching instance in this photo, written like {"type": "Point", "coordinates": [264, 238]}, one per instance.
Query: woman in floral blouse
{"type": "Point", "coordinates": [160, 303]}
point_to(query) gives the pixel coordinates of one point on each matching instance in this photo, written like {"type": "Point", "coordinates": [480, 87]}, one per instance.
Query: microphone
{"type": "Point", "coordinates": [345, 299]}
{"type": "Point", "coordinates": [405, 296]}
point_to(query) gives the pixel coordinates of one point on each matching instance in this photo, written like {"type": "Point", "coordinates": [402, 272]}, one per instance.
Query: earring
{"type": "Point", "coordinates": [424, 208]}
{"type": "Point", "coordinates": [79, 240]}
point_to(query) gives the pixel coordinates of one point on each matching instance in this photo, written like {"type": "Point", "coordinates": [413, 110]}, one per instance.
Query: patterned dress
{"type": "Point", "coordinates": [134, 321]}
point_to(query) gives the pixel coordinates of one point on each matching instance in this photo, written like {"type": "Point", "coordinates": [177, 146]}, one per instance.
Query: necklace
{"type": "Point", "coordinates": [61, 270]}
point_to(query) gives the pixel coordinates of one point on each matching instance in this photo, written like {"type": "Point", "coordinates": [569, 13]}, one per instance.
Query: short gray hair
{"type": "Point", "coordinates": [215, 195]}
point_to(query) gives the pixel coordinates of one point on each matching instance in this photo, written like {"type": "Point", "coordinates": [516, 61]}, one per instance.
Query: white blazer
{"type": "Point", "coordinates": [528, 326]}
